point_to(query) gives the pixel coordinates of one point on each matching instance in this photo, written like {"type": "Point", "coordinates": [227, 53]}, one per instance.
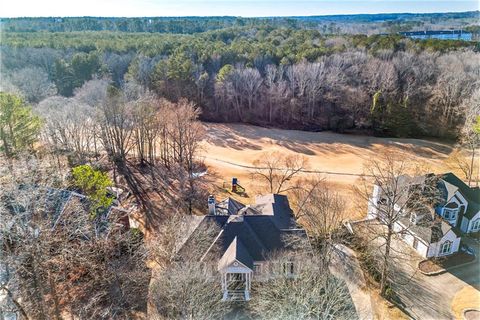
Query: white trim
{"type": "Point", "coordinates": [475, 225]}
{"type": "Point", "coordinates": [446, 244]}
{"type": "Point", "coordinates": [452, 212]}
{"type": "Point", "coordinates": [289, 268]}
{"type": "Point", "coordinates": [257, 268]}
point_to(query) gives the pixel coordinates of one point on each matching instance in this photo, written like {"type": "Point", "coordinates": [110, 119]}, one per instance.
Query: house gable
{"type": "Point", "coordinates": [473, 223]}
{"type": "Point", "coordinates": [466, 197]}
{"type": "Point", "coordinates": [435, 248]}
{"type": "Point", "coordinates": [453, 209]}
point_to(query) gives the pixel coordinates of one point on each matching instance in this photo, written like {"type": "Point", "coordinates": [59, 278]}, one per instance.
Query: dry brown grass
{"type": "Point", "coordinates": [227, 147]}
{"type": "Point", "coordinates": [384, 310]}
{"type": "Point", "coordinates": [467, 298]}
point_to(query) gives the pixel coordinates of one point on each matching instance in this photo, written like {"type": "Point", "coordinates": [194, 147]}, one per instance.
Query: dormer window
{"type": "Point", "coordinates": [450, 214]}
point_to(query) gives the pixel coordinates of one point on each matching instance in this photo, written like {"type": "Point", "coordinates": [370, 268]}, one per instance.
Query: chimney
{"type": "Point", "coordinates": [211, 205]}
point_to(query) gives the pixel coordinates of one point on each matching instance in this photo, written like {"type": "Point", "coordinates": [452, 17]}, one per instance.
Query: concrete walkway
{"type": "Point", "coordinates": [345, 265]}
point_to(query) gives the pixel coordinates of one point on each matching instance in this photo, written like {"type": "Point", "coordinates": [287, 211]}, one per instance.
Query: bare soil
{"type": "Point", "coordinates": [472, 315]}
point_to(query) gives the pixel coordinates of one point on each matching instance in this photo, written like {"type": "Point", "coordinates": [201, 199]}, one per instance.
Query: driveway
{"type": "Point", "coordinates": [345, 266]}
{"type": "Point", "coordinates": [430, 297]}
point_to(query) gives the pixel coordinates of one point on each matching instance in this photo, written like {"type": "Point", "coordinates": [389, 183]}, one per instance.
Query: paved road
{"type": "Point", "coordinates": [345, 266]}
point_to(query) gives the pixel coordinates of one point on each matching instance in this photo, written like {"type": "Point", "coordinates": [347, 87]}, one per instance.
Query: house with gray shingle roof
{"type": "Point", "coordinates": [419, 219]}
{"type": "Point", "coordinates": [239, 239]}
{"type": "Point", "coordinates": [433, 231]}
{"type": "Point", "coordinates": [460, 204]}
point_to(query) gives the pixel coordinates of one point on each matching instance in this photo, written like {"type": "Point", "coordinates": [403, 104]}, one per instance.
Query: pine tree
{"type": "Point", "coordinates": [19, 127]}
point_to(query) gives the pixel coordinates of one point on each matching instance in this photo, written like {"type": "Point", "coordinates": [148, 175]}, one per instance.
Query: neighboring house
{"type": "Point", "coordinates": [434, 231]}
{"type": "Point", "coordinates": [460, 205]}
{"type": "Point", "coordinates": [237, 240]}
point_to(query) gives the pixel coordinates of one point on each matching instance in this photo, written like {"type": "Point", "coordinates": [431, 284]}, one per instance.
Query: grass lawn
{"type": "Point", "coordinates": [467, 298]}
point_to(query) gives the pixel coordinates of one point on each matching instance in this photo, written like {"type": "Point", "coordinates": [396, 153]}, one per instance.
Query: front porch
{"type": "Point", "coordinates": [236, 285]}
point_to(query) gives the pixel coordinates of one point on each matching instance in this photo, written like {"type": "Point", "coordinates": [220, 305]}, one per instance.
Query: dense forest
{"type": "Point", "coordinates": [355, 24]}
{"type": "Point", "coordinates": [263, 73]}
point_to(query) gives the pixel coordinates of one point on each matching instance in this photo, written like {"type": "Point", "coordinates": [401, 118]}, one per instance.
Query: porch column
{"type": "Point", "coordinates": [248, 279]}
{"type": "Point", "coordinates": [224, 281]}
{"type": "Point", "coordinates": [224, 287]}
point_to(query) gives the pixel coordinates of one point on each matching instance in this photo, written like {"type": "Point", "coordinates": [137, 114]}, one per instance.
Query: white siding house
{"type": "Point", "coordinates": [448, 244]}
{"type": "Point", "coordinates": [433, 232]}
{"type": "Point", "coordinates": [461, 205]}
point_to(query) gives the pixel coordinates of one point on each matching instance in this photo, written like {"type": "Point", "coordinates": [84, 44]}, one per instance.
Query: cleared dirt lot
{"type": "Point", "coordinates": [229, 148]}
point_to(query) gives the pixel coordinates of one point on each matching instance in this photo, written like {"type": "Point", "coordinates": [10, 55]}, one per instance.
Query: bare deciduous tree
{"type": "Point", "coordinates": [277, 170]}
{"type": "Point", "coordinates": [34, 83]}
{"type": "Point", "coordinates": [183, 286]}
{"type": "Point", "coordinates": [60, 262]}
{"type": "Point", "coordinates": [396, 195]}
{"type": "Point", "coordinates": [69, 126]}
{"type": "Point", "coordinates": [321, 212]}
{"type": "Point", "coordinates": [312, 293]}
{"type": "Point", "coordinates": [116, 122]}
{"type": "Point", "coordinates": [470, 134]}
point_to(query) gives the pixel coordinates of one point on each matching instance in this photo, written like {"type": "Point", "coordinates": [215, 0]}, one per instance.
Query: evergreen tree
{"type": "Point", "coordinates": [94, 184]}
{"type": "Point", "coordinates": [19, 127]}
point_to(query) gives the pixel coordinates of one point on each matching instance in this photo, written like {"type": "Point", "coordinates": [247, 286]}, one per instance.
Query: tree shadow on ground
{"type": "Point", "coordinates": [243, 137]}
{"type": "Point", "coordinates": [415, 294]}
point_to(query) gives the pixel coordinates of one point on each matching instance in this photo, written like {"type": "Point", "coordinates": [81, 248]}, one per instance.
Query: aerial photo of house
{"type": "Point", "coordinates": [238, 159]}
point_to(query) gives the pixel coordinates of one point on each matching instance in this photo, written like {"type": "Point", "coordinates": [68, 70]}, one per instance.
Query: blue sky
{"type": "Point", "coordinates": [246, 8]}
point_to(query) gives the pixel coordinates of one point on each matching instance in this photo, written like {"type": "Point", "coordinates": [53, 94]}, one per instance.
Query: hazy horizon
{"type": "Point", "coordinates": [233, 8]}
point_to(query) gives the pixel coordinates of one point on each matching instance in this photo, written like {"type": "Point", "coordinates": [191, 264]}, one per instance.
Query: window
{"type": "Point", "coordinates": [288, 268]}
{"type": "Point", "coordinates": [450, 214]}
{"type": "Point", "coordinates": [382, 201]}
{"type": "Point", "coordinates": [476, 225]}
{"type": "Point", "coordinates": [446, 247]}
{"type": "Point", "coordinates": [257, 268]}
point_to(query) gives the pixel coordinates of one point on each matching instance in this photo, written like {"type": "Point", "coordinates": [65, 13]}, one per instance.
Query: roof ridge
{"type": "Point", "coordinates": [214, 240]}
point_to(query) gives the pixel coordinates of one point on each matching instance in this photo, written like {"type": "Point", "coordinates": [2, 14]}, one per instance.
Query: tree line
{"type": "Point", "coordinates": [385, 85]}
{"type": "Point", "coordinates": [392, 22]}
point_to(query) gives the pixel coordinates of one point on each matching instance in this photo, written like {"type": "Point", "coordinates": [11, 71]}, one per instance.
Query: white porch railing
{"type": "Point", "coordinates": [236, 286]}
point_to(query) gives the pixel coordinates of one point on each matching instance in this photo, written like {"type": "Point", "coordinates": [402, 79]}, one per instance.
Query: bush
{"type": "Point", "coordinates": [93, 183]}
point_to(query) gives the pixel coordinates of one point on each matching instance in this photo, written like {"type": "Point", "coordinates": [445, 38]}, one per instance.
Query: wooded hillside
{"type": "Point", "coordinates": [268, 74]}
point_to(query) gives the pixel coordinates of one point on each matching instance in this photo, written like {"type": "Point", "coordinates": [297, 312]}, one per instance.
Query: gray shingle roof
{"type": "Point", "coordinates": [430, 231]}
{"type": "Point", "coordinates": [252, 235]}
{"type": "Point", "coordinates": [471, 194]}
{"type": "Point", "coordinates": [236, 251]}
{"type": "Point", "coordinates": [229, 206]}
